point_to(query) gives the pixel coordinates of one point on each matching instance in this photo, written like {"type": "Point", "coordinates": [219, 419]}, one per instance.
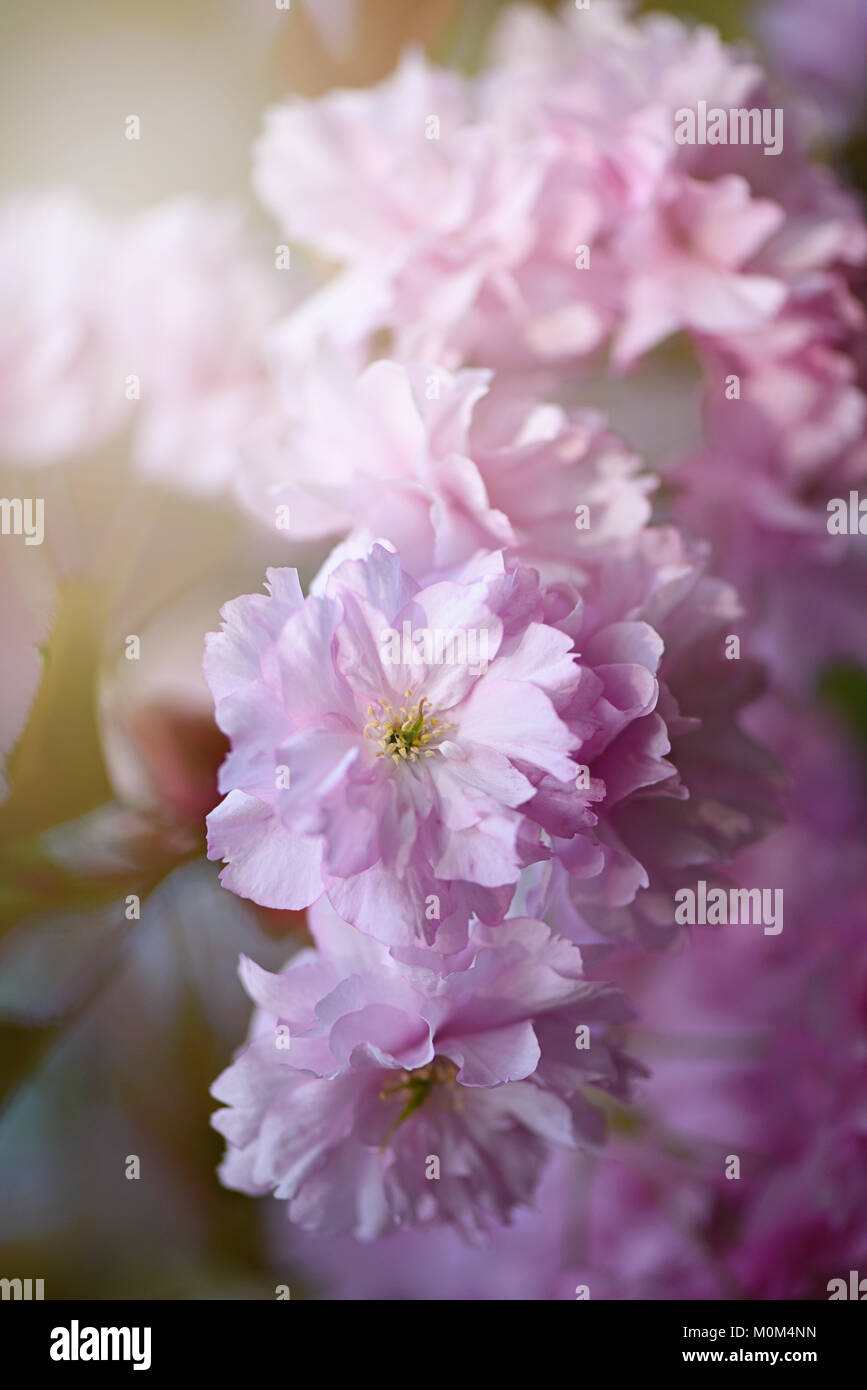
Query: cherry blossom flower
{"type": "Point", "coordinates": [361, 1073]}
{"type": "Point", "coordinates": [387, 776]}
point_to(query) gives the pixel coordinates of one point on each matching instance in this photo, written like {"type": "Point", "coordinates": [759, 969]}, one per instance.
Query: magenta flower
{"type": "Point", "coordinates": [571, 221]}
{"type": "Point", "coordinates": [387, 452]}
{"type": "Point", "coordinates": [447, 465]}
{"type": "Point", "coordinates": [374, 1095]}
{"type": "Point", "coordinates": [379, 734]}
{"type": "Point", "coordinates": [440, 203]}
{"type": "Point", "coordinates": [608, 754]}
{"type": "Point", "coordinates": [688, 255]}
{"type": "Point", "coordinates": [673, 781]}
{"type": "Point", "coordinates": [523, 1260]}
{"type": "Point", "coordinates": [566, 211]}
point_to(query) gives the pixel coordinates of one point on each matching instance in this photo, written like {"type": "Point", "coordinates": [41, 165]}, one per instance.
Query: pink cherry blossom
{"type": "Point", "coordinates": [588, 229]}
{"type": "Point", "coordinates": [62, 370]}
{"type": "Point", "coordinates": [189, 277]}
{"type": "Point", "coordinates": [445, 466]}
{"type": "Point", "coordinates": [390, 1066]}
{"type": "Point", "coordinates": [403, 762]}
{"type": "Point", "coordinates": [672, 781]}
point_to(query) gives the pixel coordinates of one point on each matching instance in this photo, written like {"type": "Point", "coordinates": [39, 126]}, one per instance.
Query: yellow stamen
{"type": "Point", "coordinates": [403, 736]}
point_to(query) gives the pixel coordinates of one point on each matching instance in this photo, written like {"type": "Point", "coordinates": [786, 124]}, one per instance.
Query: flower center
{"type": "Point", "coordinates": [417, 1085]}
{"type": "Point", "coordinates": [405, 736]}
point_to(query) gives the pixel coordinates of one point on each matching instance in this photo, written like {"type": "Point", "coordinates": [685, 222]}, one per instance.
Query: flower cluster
{"type": "Point", "coordinates": [570, 747]}
{"type": "Point", "coordinates": [550, 214]}
{"type": "Point", "coordinates": [485, 735]}
{"type": "Point", "coordinates": [756, 1048]}
{"type": "Point", "coordinates": [413, 788]}
{"type": "Point", "coordinates": [544, 216]}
